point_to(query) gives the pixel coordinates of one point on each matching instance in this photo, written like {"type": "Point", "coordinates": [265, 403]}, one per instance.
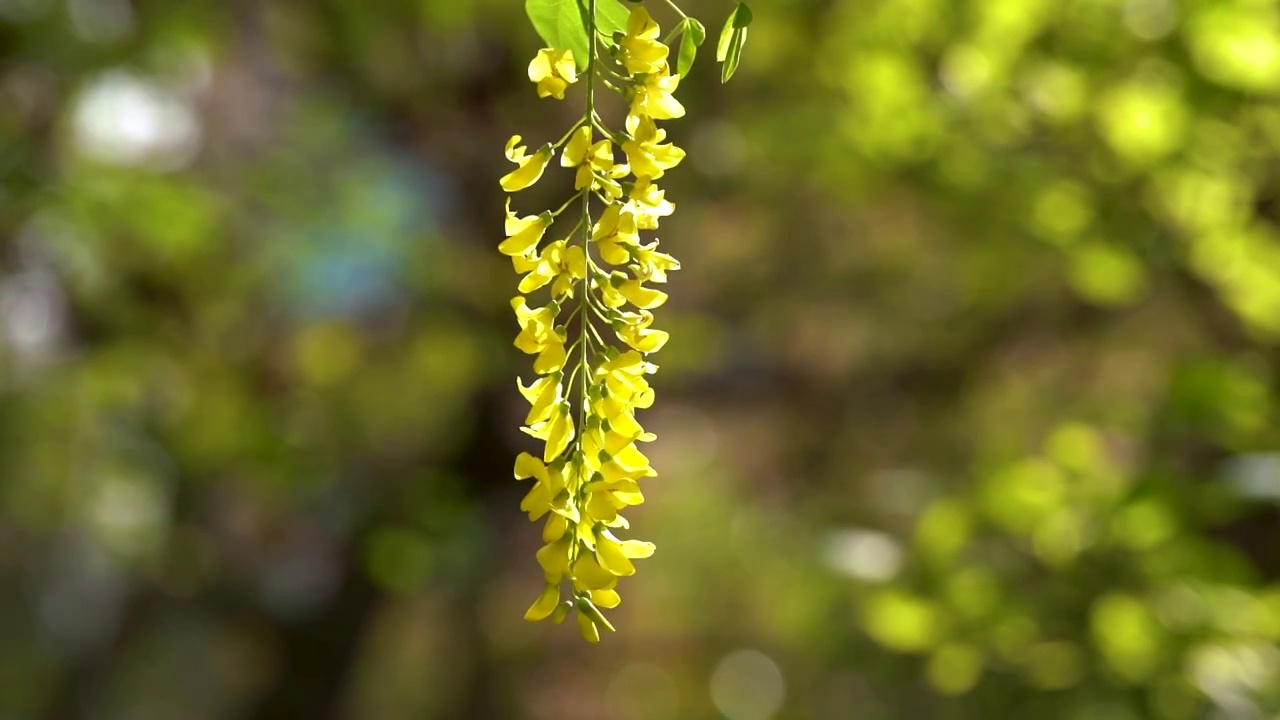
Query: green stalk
{"type": "Point", "coordinates": [583, 317]}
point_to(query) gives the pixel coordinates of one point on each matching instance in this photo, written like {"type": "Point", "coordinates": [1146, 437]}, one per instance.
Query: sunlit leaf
{"type": "Point", "coordinates": [562, 24]}
{"type": "Point", "coordinates": [692, 38]}
{"type": "Point", "coordinates": [732, 37]}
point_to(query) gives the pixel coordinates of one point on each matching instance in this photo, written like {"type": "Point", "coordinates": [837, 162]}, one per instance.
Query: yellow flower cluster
{"type": "Point", "coordinates": [600, 276]}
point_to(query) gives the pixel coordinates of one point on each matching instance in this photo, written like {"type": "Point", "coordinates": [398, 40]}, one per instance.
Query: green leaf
{"type": "Point", "coordinates": [733, 56]}
{"type": "Point", "coordinates": [611, 16]}
{"type": "Point", "coordinates": [562, 24]}
{"type": "Point", "coordinates": [696, 29]}
{"type": "Point", "coordinates": [739, 19]}
{"type": "Point", "coordinates": [693, 35]}
{"type": "Point", "coordinates": [726, 36]}
{"type": "Point", "coordinates": [732, 37]}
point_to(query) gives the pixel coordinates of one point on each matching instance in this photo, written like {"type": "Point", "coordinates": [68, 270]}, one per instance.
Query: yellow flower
{"type": "Point", "coordinates": [557, 263]}
{"type": "Point", "coordinates": [523, 233]}
{"type": "Point", "coordinates": [602, 507]}
{"type": "Point", "coordinates": [648, 203]}
{"type": "Point", "coordinates": [618, 409]}
{"type": "Point", "coordinates": [641, 51]}
{"type": "Point", "coordinates": [605, 499]}
{"type": "Point", "coordinates": [615, 556]}
{"type": "Point", "coordinates": [552, 356]}
{"type": "Point", "coordinates": [545, 392]}
{"type": "Point", "coordinates": [619, 492]}
{"type": "Point", "coordinates": [614, 233]}
{"type": "Point", "coordinates": [563, 512]}
{"type": "Point", "coordinates": [652, 265]}
{"type": "Point", "coordinates": [653, 96]}
{"type": "Point", "coordinates": [545, 495]}
{"type": "Point", "coordinates": [530, 166]}
{"type": "Point", "coordinates": [625, 425]}
{"type": "Point", "coordinates": [557, 431]}
{"type": "Point", "coordinates": [645, 153]}
{"type": "Point", "coordinates": [640, 296]}
{"type": "Point", "coordinates": [545, 604]}
{"type": "Point", "coordinates": [588, 575]}
{"type": "Point", "coordinates": [597, 443]}
{"type": "Point", "coordinates": [612, 404]}
{"type": "Point", "coordinates": [536, 502]}
{"type": "Point", "coordinates": [528, 466]}
{"type": "Point", "coordinates": [609, 186]}
{"type": "Point", "coordinates": [539, 501]}
{"type": "Point", "coordinates": [575, 151]}
{"type": "Point", "coordinates": [536, 324]}
{"type": "Point", "coordinates": [539, 335]}
{"type": "Point", "coordinates": [554, 559]}
{"type": "Point", "coordinates": [557, 525]}
{"type": "Point", "coordinates": [633, 329]}
{"type": "Point", "coordinates": [525, 263]}
{"type": "Point", "coordinates": [614, 455]}
{"type": "Point", "coordinates": [608, 287]}
{"type": "Point", "coordinates": [623, 378]}
{"type": "Point", "coordinates": [606, 598]}
{"type": "Point", "coordinates": [553, 71]}
{"type": "Point", "coordinates": [616, 289]}
{"type": "Point", "coordinates": [561, 612]}
{"type": "Point", "coordinates": [595, 164]}
{"type": "Point", "coordinates": [628, 464]}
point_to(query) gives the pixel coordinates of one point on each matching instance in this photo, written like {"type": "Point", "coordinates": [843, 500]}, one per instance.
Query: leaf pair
{"type": "Point", "coordinates": [732, 37]}
{"type": "Point", "coordinates": [693, 34]}
{"type": "Point", "coordinates": [562, 24]}
{"type": "Point", "coordinates": [728, 50]}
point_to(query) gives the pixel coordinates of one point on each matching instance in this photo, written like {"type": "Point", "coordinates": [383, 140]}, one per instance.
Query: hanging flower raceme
{"type": "Point", "coordinates": [585, 311]}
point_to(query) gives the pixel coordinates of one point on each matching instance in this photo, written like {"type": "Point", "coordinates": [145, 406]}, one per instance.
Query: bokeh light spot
{"type": "Point", "coordinates": [642, 691]}
{"type": "Point", "coordinates": [747, 685]}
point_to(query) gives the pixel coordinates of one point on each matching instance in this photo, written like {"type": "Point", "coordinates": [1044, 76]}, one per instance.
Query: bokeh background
{"type": "Point", "coordinates": [969, 411]}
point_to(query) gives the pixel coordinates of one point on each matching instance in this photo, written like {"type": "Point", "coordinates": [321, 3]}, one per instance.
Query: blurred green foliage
{"type": "Point", "coordinates": [970, 408]}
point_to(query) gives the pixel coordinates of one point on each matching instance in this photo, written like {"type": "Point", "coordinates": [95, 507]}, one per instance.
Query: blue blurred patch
{"type": "Point", "coordinates": [382, 212]}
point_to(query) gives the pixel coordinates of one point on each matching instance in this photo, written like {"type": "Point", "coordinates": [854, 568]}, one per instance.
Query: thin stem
{"type": "Point", "coordinates": [599, 125]}
{"type": "Point", "coordinates": [566, 204]}
{"type": "Point", "coordinates": [576, 225]}
{"type": "Point", "coordinates": [672, 5]}
{"type": "Point", "coordinates": [569, 134]}
{"type": "Point", "coordinates": [584, 390]}
{"type": "Point", "coordinates": [598, 313]}
{"type": "Point", "coordinates": [610, 85]}
{"type": "Point", "coordinates": [573, 375]}
{"type": "Point", "coordinates": [586, 321]}
{"type": "Point", "coordinates": [575, 343]}
{"type": "Point", "coordinates": [614, 74]}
